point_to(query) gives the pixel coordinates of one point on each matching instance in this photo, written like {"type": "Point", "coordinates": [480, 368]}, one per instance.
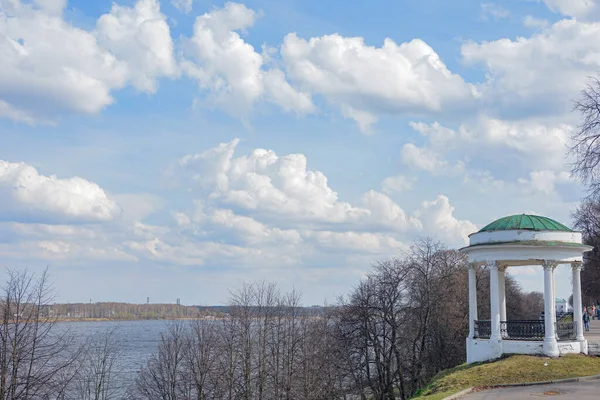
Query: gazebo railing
{"type": "Point", "coordinates": [483, 329]}
{"type": "Point", "coordinates": [566, 330]}
{"type": "Point", "coordinates": [526, 329]}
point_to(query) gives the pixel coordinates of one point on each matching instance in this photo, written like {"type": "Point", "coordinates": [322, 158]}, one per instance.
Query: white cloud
{"type": "Point", "coordinates": [223, 63]}
{"type": "Point", "coordinates": [430, 160]}
{"type": "Point", "coordinates": [30, 196]}
{"type": "Point", "coordinates": [10, 112]}
{"type": "Point", "coordinates": [53, 7]}
{"type": "Point", "coordinates": [494, 10]}
{"type": "Point", "coordinates": [265, 182]}
{"type": "Point", "coordinates": [137, 206]}
{"type": "Point", "coordinates": [356, 242]}
{"type": "Point", "coordinates": [483, 137]}
{"type": "Point", "coordinates": [183, 5]}
{"type": "Point", "coordinates": [545, 181]}
{"type": "Point", "coordinates": [438, 217]}
{"type": "Point", "coordinates": [397, 184]}
{"type": "Point", "coordinates": [139, 36]}
{"type": "Point", "coordinates": [538, 143]}
{"type": "Point", "coordinates": [438, 135]}
{"type": "Point", "coordinates": [581, 9]}
{"type": "Point", "coordinates": [366, 81]}
{"type": "Point", "coordinates": [282, 186]}
{"type": "Point", "coordinates": [541, 74]}
{"type": "Point", "coordinates": [534, 23]}
{"type": "Point", "coordinates": [50, 67]}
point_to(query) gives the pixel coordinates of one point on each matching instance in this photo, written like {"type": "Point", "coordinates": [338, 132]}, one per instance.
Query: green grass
{"type": "Point", "coordinates": [512, 369]}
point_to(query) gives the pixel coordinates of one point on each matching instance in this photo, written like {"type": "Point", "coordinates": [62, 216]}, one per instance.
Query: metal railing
{"type": "Point", "coordinates": [483, 329]}
{"type": "Point", "coordinates": [566, 330]}
{"type": "Point", "coordinates": [527, 329]}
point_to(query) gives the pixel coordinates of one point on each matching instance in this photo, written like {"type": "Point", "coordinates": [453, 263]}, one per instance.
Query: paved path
{"type": "Point", "coordinates": [588, 390]}
{"type": "Point", "coordinates": [594, 334]}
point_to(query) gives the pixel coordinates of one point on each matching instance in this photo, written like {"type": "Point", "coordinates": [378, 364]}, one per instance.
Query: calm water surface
{"type": "Point", "coordinates": [137, 340]}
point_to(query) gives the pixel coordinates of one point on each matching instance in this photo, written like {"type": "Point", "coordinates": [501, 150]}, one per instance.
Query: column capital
{"type": "Point", "coordinates": [576, 265]}
{"type": "Point", "coordinates": [492, 264]}
{"type": "Point", "coordinates": [549, 264]}
{"type": "Point", "coordinates": [473, 265]}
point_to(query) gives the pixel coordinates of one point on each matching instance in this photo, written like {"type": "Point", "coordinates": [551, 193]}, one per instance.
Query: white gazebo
{"type": "Point", "coordinates": [512, 242]}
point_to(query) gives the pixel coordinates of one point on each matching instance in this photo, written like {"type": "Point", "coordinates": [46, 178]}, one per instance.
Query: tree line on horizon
{"type": "Point", "coordinates": [125, 311]}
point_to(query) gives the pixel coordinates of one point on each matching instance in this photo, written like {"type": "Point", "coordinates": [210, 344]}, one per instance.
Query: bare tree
{"type": "Point", "coordinates": [203, 350]}
{"type": "Point", "coordinates": [35, 360]}
{"type": "Point", "coordinates": [95, 379]}
{"type": "Point", "coordinates": [585, 143]}
{"type": "Point", "coordinates": [587, 220]}
{"type": "Point", "coordinates": [164, 376]}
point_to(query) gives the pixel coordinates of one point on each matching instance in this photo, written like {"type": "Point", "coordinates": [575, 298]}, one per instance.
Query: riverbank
{"type": "Point", "coordinates": [71, 319]}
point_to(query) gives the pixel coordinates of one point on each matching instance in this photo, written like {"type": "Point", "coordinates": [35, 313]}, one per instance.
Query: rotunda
{"type": "Point", "coordinates": [512, 242]}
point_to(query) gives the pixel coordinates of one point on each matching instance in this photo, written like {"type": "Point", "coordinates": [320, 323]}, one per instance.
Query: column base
{"type": "Point", "coordinates": [551, 347]}
{"type": "Point", "coordinates": [483, 350]}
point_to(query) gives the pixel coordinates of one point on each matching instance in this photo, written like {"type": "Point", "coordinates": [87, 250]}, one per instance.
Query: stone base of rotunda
{"type": "Point", "coordinates": [486, 349]}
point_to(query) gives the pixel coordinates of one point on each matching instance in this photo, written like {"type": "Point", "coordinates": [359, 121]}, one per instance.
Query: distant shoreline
{"type": "Point", "coordinates": [71, 319]}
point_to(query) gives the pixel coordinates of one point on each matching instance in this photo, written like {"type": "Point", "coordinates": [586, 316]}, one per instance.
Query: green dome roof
{"type": "Point", "coordinates": [525, 222]}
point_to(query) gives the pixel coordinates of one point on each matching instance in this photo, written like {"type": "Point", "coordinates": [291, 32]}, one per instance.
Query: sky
{"type": "Point", "coordinates": [177, 149]}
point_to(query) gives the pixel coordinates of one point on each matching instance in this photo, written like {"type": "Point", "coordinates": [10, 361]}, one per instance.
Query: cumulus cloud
{"type": "Point", "coordinates": [268, 184]}
{"type": "Point", "coordinates": [366, 81]}
{"type": "Point", "coordinates": [545, 181]}
{"type": "Point", "coordinates": [140, 37]}
{"type": "Point", "coordinates": [539, 75]}
{"type": "Point", "coordinates": [230, 68]}
{"type": "Point", "coordinates": [50, 67]}
{"type": "Point", "coordinates": [483, 137]}
{"type": "Point", "coordinates": [581, 9]}
{"type": "Point", "coordinates": [438, 216]}
{"type": "Point", "coordinates": [31, 196]}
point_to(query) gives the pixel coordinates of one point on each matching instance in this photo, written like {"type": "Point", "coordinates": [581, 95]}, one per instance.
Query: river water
{"type": "Point", "coordinates": [136, 340]}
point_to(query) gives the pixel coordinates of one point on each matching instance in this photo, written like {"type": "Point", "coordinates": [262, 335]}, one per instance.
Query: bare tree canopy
{"type": "Point", "coordinates": [585, 141]}
{"type": "Point", "coordinates": [587, 220]}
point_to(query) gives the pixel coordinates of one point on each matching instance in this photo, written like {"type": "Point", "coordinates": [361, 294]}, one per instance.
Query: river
{"type": "Point", "coordinates": [136, 340]}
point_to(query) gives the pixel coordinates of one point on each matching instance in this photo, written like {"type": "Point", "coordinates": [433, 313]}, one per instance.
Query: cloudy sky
{"type": "Point", "coordinates": [175, 149]}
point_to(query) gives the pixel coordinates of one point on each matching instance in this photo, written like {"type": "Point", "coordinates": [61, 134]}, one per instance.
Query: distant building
{"type": "Point", "coordinates": [561, 305]}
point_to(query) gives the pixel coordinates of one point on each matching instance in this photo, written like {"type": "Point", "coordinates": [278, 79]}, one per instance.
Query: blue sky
{"type": "Point", "coordinates": [177, 149]}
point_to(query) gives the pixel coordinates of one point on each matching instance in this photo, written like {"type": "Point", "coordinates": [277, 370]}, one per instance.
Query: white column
{"type": "Point", "coordinates": [550, 343]}
{"type": "Point", "coordinates": [577, 306]}
{"type": "Point", "coordinates": [554, 302]}
{"type": "Point", "coordinates": [494, 301]}
{"type": "Point", "coordinates": [472, 299]}
{"type": "Point", "coordinates": [502, 292]}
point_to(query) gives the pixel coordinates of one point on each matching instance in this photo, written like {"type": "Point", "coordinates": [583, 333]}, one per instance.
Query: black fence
{"type": "Point", "coordinates": [566, 330]}
{"type": "Point", "coordinates": [525, 330]}
{"type": "Point", "coordinates": [483, 329]}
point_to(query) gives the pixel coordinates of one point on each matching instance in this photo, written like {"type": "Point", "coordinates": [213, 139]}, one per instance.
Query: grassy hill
{"type": "Point", "coordinates": [512, 369]}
